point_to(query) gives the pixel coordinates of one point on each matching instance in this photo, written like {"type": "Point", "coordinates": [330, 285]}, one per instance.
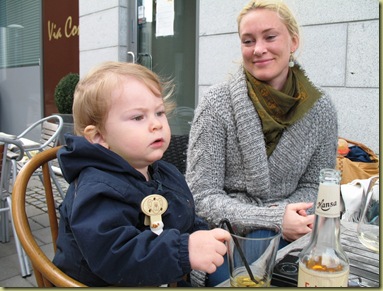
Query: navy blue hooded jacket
{"type": "Point", "coordinates": [102, 238]}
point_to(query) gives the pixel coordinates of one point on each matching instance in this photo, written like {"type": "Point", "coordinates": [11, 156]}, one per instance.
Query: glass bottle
{"type": "Point", "coordinates": [323, 262]}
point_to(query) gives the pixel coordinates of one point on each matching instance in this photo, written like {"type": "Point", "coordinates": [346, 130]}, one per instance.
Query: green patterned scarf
{"type": "Point", "coordinates": [279, 109]}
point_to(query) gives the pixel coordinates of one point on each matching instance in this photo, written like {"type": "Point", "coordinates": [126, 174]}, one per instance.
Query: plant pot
{"type": "Point", "coordinates": [68, 127]}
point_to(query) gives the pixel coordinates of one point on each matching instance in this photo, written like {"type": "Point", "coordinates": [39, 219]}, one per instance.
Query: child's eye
{"type": "Point", "coordinates": [161, 113]}
{"type": "Point", "coordinates": [138, 117]}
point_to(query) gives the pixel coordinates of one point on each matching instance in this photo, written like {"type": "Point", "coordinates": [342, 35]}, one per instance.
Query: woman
{"type": "Point", "coordinates": [259, 140]}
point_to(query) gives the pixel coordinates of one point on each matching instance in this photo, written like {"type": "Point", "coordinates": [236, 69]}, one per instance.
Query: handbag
{"type": "Point", "coordinates": [352, 170]}
{"type": "Point", "coordinates": [352, 195]}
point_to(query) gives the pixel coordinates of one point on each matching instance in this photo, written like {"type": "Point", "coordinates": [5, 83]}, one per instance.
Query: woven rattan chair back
{"type": "Point", "coordinates": [176, 153]}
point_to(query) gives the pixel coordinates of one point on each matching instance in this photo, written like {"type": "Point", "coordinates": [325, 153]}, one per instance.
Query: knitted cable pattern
{"type": "Point", "coordinates": [228, 170]}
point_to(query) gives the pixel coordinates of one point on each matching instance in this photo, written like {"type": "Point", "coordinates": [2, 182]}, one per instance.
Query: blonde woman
{"type": "Point", "coordinates": [259, 140]}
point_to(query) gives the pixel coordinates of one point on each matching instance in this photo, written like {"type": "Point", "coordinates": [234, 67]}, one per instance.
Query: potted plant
{"type": "Point", "coordinates": [63, 97]}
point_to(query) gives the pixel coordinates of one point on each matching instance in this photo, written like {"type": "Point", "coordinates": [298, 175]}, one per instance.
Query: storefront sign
{"type": "Point", "coordinates": [60, 46]}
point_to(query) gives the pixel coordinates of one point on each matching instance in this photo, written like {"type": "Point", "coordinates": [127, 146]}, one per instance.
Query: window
{"type": "Point", "coordinates": [20, 33]}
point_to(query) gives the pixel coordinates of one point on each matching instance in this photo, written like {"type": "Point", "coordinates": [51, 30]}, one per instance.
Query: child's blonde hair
{"type": "Point", "coordinates": [277, 6]}
{"type": "Point", "coordinates": [92, 97]}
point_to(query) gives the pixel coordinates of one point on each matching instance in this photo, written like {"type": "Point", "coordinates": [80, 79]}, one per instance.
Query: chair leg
{"type": "Point", "coordinates": [22, 256]}
{"type": "Point", "coordinates": [4, 210]}
{"type": "Point", "coordinates": [56, 181]}
{"type": "Point", "coordinates": [4, 226]}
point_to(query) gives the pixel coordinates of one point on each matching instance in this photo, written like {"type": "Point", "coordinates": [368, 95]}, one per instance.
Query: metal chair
{"type": "Point", "coordinates": [176, 152]}
{"type": "Point", "coordinates": [8, 171]}
{"type": "Point", "coordinates": [17, 151]}
{"type": "Point", "coordinates": [48, 129]}
{"type": "Point", "coordinates": [46, 273]}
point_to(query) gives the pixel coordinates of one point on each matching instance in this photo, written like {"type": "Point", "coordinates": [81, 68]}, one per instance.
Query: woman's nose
{"type": "Point", "coordinates": [259, 49]}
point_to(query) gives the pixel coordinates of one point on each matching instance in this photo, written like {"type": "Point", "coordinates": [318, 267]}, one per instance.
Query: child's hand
{"type": "Point", "coordinates": [207, 248]}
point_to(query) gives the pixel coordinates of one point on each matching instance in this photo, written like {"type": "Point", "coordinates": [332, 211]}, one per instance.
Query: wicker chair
{"type": "Point", "coordinates": [176, 153]}
{"type": "Point", "coordinates": [46, 273]}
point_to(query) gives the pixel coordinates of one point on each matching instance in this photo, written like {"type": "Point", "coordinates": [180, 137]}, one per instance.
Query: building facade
{"type": "Point", "coordinates": [197, 44]}
{"type": "Point", "coordinates": [339, 51]}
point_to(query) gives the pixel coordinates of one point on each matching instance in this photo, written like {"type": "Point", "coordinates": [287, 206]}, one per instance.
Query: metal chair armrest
{"type": "Point", "coordinates": [52, 139]}
{"type": "Point", "coordinates": [19, 154]}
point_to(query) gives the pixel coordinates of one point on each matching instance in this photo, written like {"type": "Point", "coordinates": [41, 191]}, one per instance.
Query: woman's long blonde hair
{"type": "Point", "coordinates": [279, 7]}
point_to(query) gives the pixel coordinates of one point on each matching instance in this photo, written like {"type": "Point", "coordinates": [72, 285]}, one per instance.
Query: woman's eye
{"type": "Point", "coordinates": [247, 41]}
{"type": "Point", "coordinates": [270, 37]}
{"type": "Point", "coordinates": [160, 113]}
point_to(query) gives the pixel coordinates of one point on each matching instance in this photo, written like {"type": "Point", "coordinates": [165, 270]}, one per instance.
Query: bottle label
{"type": "Point", "coordinates": [311, 278]}
{"type": "Point", "coordinates": [328, 200]}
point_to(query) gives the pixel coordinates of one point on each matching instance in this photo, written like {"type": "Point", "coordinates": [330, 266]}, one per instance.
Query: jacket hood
{"type": "Point", "coordinates": [79, 153]}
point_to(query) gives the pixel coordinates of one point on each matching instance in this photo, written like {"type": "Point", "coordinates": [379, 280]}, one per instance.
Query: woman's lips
{"type": "Point", "coordinates": [262, 62]}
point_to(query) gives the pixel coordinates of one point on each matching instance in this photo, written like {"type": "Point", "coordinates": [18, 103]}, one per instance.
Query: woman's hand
{"type": "Point", "coordinates": [207, 248]}
{"type": "Point", "coordinates": [296, 222]}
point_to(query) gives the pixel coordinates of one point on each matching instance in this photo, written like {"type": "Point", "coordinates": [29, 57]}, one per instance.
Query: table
{"type": "Point", "coordinates": [364, 263]}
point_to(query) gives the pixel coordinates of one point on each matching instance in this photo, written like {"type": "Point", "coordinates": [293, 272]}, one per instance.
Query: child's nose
{"type": "Point", "coordinates": [156, 123]}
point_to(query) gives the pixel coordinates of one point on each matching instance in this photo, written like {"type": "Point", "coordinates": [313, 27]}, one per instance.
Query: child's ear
{"type": "Point", "coordinates": [93, 135]}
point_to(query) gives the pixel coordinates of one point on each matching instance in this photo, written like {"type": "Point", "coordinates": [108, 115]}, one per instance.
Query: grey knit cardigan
{"type": "Point", "coordinates": [228, 170]}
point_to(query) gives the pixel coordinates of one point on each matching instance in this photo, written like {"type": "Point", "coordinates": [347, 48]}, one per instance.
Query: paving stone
{"type": "Point", "coordinates": [10, 275]}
